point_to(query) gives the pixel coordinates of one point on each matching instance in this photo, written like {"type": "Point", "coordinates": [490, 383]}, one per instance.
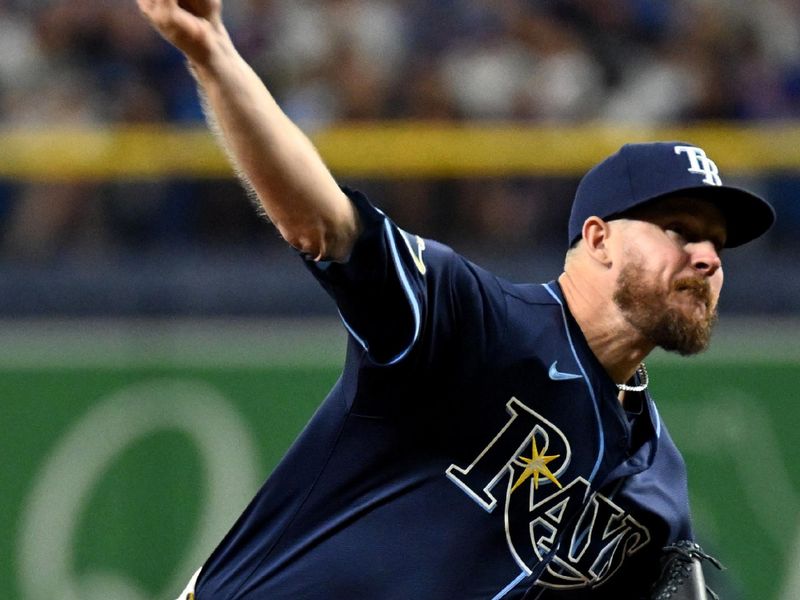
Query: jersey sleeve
{"type": "Point", "coordinates": [398, 292]}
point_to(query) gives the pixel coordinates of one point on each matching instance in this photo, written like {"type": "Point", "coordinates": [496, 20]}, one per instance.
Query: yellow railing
{"type": "Point", "coordinates": [387, 150]}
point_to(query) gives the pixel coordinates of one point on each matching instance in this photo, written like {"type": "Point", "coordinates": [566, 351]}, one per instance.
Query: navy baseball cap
{"type": "Point", "coordinates": [639, 173]}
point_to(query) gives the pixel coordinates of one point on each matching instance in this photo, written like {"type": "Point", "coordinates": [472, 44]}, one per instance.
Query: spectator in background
{"type": "Point", "coordinates": [75, 63]}
{"type": "Point", "coordinates": [571, 72]}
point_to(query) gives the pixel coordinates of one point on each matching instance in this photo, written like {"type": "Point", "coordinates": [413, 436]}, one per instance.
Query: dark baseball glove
{"type": "Point", "coordinates": [682, 573]}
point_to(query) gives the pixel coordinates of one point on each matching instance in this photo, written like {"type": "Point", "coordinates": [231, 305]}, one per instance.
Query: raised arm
{"type": "Point", "coordinates": [270, 153]}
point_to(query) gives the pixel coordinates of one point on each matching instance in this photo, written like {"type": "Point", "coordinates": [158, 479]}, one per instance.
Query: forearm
{"type": "Point", "coordinates": [273, 156]}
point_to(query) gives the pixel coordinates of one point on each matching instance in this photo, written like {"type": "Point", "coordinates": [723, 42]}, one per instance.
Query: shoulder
{"type": "Point", "coordinates": [531, 294]}
{"type": "Point", "coordinates": [534, 308]}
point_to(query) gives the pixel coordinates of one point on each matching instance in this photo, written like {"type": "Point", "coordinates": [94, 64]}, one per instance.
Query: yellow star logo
{"type": "Point", "coordinates": [536, 465]}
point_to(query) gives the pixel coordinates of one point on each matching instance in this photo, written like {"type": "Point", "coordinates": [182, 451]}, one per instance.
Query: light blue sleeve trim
{"type": "Point", "coordinates": [356, 337]}
{"type": "Point", "coordinates": [588, 385]}
{"type": "Point", "coordinates": [409, 292]}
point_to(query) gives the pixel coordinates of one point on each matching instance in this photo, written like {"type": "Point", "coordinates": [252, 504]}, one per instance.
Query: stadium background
{"type": "Point", "coordinates": [161, 347]}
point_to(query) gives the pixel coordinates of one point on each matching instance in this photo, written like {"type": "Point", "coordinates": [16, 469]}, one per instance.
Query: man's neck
{"type": "Point", "coordinates": [615, 343]}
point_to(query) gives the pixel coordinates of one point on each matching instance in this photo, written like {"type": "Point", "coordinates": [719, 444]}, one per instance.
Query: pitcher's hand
{"type": "Point", "coordinates": [190, 25]}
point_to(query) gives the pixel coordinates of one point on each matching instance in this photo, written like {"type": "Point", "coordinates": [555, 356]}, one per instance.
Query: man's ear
{"type": "Point", "coordinates": [595, 235]}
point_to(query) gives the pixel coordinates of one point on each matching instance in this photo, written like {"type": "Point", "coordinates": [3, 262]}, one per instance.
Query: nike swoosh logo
{"type": "Point", "coordinates": [557, 375]}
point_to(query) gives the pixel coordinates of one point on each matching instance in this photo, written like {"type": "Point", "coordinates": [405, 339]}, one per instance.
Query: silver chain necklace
{"type": "Point", "coordinates": [642, 371]}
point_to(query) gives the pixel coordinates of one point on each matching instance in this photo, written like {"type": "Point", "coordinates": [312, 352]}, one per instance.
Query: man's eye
{"type": "Point", "coordinates": [678, 230]}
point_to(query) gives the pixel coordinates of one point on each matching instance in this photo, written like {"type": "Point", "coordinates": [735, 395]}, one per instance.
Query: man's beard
{"type": "Point", "coordinates": [647, 309]}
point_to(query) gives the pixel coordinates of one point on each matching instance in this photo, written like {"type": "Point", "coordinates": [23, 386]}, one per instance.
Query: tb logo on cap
{"type": "Point", "coordinates": [700, 163]}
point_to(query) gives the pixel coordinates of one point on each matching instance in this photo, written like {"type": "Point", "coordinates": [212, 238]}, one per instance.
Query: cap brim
{"type": "Point", "coordinates": [747, 215]}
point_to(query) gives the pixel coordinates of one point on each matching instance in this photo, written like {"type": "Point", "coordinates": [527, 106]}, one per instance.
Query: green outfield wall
{"type": "Point", "coordinates": [129, 448]}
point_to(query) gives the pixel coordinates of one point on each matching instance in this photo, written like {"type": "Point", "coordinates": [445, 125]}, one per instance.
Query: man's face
{"type": "Point", "coordinates": [670, 274]}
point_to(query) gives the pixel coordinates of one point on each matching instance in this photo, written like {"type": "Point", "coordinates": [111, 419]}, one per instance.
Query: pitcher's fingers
{"type": "Point", "coordinates": [159, 12]}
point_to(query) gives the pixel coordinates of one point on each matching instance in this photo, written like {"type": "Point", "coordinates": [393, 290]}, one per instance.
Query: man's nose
{"type": "Point", "coordinates": [705, 258]}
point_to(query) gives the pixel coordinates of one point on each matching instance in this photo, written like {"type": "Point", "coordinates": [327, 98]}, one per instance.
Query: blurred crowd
{"type": "Point", "coordinates": [654, 61]}
{"type": "Point", "coordinates": [329, 60]}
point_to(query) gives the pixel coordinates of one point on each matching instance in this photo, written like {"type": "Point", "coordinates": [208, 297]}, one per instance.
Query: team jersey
{"type": "Point", "coordinates": [473, 447]}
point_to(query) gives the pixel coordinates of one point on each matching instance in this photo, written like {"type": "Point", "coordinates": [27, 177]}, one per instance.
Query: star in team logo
{"type": "Point", "coordinates": [535, 465]}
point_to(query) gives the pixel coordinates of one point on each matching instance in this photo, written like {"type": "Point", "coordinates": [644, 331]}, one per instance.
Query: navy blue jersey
{"type": "Point", "coordinates": [473, 447]}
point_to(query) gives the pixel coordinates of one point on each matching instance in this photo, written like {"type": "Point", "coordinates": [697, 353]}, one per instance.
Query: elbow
{"type": "Point", "coordinates": [323, 236]}
{"type": "Point", "coordinates": [319, 242]}
{"type": "Point", "coordinates": [309, 243]}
